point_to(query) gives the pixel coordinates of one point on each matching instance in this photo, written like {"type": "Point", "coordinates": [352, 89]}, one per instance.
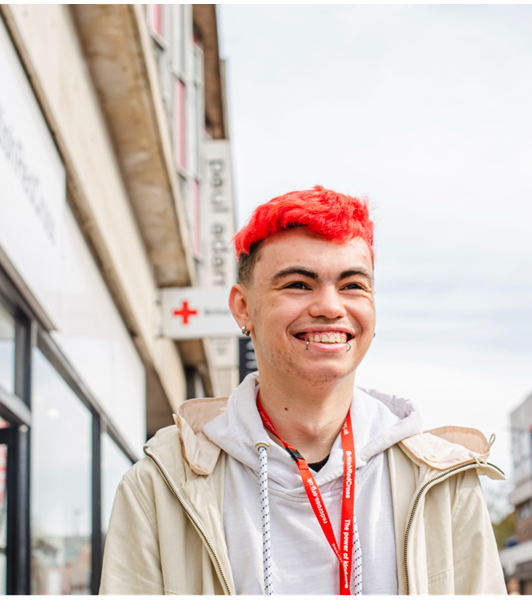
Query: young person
{"type": "Point", "coordinates": [300, 482]}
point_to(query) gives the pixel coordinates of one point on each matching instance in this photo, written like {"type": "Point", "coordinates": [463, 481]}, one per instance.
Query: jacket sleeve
{"type": "Point", "coordinates": [131, 562]}
{"type": "Point", "coordinates": [477, 568]}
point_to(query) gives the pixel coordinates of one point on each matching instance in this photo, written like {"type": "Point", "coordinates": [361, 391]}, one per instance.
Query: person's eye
{"type": "Point", "coordinates": [297, 285]}
{"type": "Point", "coordinates": [355, 286]}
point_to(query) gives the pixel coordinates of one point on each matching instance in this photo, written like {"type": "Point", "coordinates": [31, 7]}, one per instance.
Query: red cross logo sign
{"type": "Point", "coordinates": [185, 312]}
{"type": "Point", "coordinates": [196, 313]}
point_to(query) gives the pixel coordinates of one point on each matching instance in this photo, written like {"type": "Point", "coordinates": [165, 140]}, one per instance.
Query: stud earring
{"type": "Point", "coordinates": [245, 331]}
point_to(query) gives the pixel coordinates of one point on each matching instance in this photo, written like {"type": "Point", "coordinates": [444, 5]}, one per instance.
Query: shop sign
{"type": "Point", "coordinates": [192, 313]}
{"type": "Point", "coordinates": [217, 231]}
{"type": "Point", "coordinates": [32, 182]}
{"type": "Point", "coordinates": [217, 217]}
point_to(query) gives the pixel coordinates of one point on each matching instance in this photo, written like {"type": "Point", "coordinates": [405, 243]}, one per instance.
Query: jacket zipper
{"type": "Point", "coordinates": [197, 524]}
{"type": "Point", "coordinates": [416, 502]}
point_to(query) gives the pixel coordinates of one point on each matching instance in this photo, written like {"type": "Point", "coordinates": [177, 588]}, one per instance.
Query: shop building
{"type": "Point", "coordinates": [516, 558]}
{"type": "Point", "coordinates": [113, 141]}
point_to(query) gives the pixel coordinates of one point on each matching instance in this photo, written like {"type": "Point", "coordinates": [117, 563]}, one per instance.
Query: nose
{"type": "Point", "coordinates": [327, 303]}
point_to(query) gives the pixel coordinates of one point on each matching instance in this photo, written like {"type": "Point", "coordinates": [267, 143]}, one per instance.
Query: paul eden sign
{"type": "Point", "coordinates": [217, 231]}
{"type": "Point", "coordinates": [192, 313]}
{"type": "Point", "coordinates": [217, 217]}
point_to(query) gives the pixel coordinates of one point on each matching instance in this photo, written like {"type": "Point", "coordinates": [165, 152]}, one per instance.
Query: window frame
{"type": "Point", "coordinates": [31, 332]}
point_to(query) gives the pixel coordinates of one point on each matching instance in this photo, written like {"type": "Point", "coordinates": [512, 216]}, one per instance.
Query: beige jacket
{"type": "Point", "coordinates": [166, 533]}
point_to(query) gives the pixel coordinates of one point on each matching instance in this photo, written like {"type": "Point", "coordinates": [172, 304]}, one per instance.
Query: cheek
{"type": "Point", "coordinates": [272, 321]}
{"type": "Point", "coordinates": [364, 312]}
{"type": "Point", "coordinates": [277, 314]}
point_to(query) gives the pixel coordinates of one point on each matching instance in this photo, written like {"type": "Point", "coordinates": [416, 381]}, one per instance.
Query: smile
{"type": "Point", "coordinates": [329, 337]}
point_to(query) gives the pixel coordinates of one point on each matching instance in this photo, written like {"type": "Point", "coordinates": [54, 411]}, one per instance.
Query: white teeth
{"type": "Point", "coordinates": [328, 338]}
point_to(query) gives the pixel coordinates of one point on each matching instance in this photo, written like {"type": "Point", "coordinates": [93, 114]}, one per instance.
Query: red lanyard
{"type": "Point", "coordinates": [343, 554]}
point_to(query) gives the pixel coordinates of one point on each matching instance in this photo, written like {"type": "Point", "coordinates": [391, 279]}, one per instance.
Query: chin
{"type": "Point", "coordinates": [326, 375]}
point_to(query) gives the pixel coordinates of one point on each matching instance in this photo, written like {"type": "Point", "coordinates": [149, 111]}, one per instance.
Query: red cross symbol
{"type": "Point", "coordinates": [185, 312]}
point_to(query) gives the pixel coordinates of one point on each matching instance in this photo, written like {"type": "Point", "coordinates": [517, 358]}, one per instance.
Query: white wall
{"type": "Point", "coordinates": [63, 276]}
{"type": "Point", "coordinates": [49, 39]}
{"type": "Point", "coordinates": [94, 338]}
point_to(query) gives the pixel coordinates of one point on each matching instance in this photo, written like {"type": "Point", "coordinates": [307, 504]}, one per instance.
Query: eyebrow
{"type": "Point", "coordinates": [358, 271]}
{"type": "Point", "coordinates": [313, 275]}
{"type": "Point", "coordinates": [293, 271]}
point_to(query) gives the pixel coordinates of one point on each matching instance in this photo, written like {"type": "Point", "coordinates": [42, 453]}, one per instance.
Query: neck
{"type": "Point", "coordinates": [308, 419]}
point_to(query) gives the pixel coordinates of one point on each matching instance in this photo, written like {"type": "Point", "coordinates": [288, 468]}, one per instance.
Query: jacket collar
{"type": "Point", "coordinates": [440, 449]}
{"type": "Point", "coordinates": [198, 450]}
{"type": "Point", "coordinates": [448, 447]}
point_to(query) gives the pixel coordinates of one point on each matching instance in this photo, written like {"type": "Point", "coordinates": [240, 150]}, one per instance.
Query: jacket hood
{"type": "Point", "coordinates": [208, 425]}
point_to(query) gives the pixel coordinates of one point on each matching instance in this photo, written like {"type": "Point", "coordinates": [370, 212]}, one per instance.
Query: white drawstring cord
{"type": "Point", "coordinates": [262, 448]}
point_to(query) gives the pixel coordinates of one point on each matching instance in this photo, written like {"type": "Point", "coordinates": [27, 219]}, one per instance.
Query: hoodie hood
{"type": "Point", "coordinates": [202, 435]}
{"type": "Point", "coordinates": [378, 422]}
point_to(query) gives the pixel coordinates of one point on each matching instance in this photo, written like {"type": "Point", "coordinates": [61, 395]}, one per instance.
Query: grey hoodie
{"type": "Point", "coordinates": [298, 546]}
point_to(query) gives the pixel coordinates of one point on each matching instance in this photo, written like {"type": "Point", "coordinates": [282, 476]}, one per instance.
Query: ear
{"type": "Point", "coordinates": [238, 303]}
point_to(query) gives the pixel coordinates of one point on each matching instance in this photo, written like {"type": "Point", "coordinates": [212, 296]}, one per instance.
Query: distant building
{"type": "Point", "coordinates": [115, 182]}
{"type": "Point", "coordinates": [517, 558]}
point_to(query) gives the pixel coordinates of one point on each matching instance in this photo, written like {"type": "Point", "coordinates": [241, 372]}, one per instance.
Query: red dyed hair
{"type": "Point", "coordinates": [328, 214]}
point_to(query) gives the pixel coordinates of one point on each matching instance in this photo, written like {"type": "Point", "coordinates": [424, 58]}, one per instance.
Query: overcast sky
{"type": "Point", "coordinates": [426, 110]}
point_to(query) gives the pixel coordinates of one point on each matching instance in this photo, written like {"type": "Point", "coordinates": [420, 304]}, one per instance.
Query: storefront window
{"type": "Point", "coordinates": [7, 351]}
{"type": "Point", "coordinates": [60, 485]}
{"type": "Point", "coordinates": [114, 465]}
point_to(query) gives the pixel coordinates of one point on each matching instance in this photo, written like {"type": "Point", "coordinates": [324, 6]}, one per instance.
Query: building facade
{"type": "Point", "coordinates": [113, 145]}
{"type": "Point", "coordinates": [516, 559]}
{"type": "Point", "coordinates": [192, 84]}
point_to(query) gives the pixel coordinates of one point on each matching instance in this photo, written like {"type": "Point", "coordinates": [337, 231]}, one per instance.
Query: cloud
{"type": "Point", "coordinates": [425, 109]}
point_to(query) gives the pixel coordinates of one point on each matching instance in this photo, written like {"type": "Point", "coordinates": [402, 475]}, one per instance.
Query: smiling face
{"type": "Point", "coordinates": [307, 300]}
